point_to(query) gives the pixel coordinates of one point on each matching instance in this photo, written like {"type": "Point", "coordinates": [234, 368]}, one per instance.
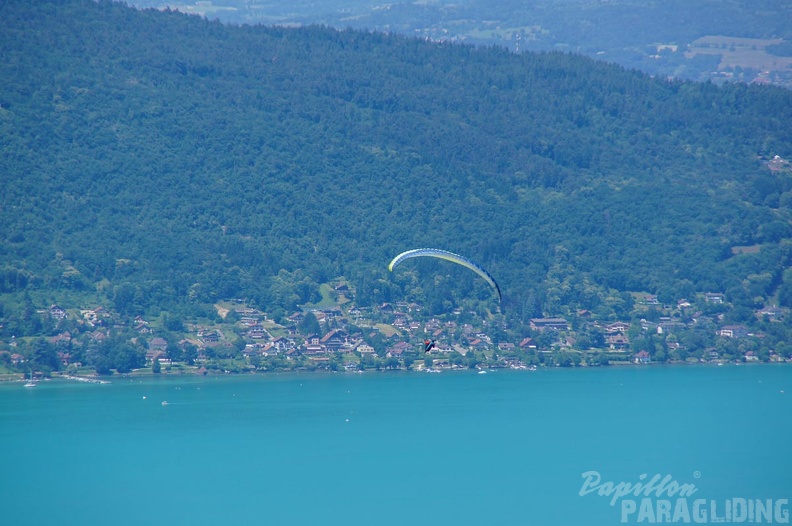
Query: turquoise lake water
{"type": "Point", "coordinates": [456, 448]}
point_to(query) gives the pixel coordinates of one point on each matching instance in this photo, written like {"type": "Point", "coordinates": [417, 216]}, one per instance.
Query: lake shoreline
{"type": "Point", "coordinates": [191, 371]}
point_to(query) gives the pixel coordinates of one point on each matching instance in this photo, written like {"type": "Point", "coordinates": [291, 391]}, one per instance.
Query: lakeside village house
{"type": "Point", "coordinates": [450, 338]}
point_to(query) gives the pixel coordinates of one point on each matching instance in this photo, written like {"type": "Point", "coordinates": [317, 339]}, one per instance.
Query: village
{"type": "Point", "coordinates": [391, 336]}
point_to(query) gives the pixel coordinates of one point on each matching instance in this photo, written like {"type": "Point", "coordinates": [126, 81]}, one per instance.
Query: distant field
{"type": "Point", "coordinates": [742, 52]}
{"type": "Point", "coordinates": [527, 33]}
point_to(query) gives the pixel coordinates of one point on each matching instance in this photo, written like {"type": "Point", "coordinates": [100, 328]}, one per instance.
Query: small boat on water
{"type": "Point", "coordinates": [30, 382]}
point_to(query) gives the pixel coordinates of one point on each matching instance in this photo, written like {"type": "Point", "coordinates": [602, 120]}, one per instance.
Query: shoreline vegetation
{"type": "Point", "coordinates": [191, 371]}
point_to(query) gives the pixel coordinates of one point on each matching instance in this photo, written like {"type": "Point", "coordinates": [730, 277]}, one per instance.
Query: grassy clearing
{"type": "Point", "coordinates": [387, 330]}
{"type": "Point", "coordinates": [327, 301]}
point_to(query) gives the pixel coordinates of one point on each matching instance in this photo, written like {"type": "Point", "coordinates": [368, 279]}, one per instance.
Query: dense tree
{"type": "Point", "coordinates": [309, 325]}
{"type": "Point", "coordinates": [167, 162]}
{"type": "Point", "coordinates": [45, 356]}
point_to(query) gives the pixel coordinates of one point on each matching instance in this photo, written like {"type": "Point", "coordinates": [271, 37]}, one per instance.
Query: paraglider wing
{"type": "Point", "coordinates": [449, 256]}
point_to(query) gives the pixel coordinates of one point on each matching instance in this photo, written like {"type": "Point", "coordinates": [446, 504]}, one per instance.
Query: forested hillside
{"type": "Point", "coordinates": [724, 40]}
{"type": "Point", "coordinates": [153, 160]}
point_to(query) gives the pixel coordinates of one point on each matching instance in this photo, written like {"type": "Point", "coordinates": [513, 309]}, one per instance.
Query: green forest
{"type": "Point", "coordinates": [158, 162]}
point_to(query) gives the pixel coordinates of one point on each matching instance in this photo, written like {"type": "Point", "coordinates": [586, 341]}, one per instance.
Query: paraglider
{"type": "Point", "coordinates": [449, 256]}
{"type": "Point", "coordinates": [428, 345]}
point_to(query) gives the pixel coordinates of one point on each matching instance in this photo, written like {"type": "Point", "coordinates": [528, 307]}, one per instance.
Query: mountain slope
{"type": "Point", "coordinates": [161, 159]}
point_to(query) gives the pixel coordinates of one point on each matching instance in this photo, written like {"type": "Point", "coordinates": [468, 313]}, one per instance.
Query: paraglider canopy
{"type": "Point", "coordinates": [448, 256]}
